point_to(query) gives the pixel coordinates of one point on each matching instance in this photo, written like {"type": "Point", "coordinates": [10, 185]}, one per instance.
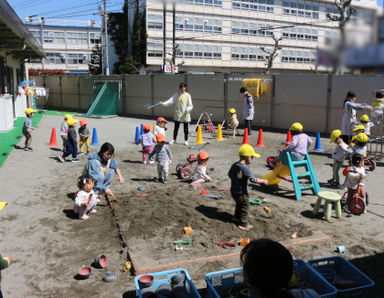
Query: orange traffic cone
{"type": "Point", "coordinates": [260, 140]}
{"type": "Point", "coordinates": [53, 142]}
{"type": "Point", "coordinates": [245, 137]}
{"type": "Point", "coordinates": [288, 140]}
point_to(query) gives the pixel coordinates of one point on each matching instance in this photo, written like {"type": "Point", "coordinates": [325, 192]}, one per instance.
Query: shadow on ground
{"type": "Point", "coordinates": [70, 214]}
{"type": "Point", "coordinates": [213, 213]}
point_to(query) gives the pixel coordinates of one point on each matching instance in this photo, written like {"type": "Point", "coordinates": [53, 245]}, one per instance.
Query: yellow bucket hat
{"type": "Point", "coordinates": [247, 150]}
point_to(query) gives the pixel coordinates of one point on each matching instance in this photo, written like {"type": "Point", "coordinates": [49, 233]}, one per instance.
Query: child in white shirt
{"type": "Point", "coordinates": [161, 126]}
{"type": "Point", "coordinates": [356, 176]}
{"type": "Point", "coordinates": [85, 199]}
{"type": "Point", "coordinates": [338, 155]}
{"type": "Point", "coordinates": [200, 174]}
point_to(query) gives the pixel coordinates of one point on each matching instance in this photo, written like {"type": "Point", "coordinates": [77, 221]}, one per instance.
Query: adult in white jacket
{"type": "Point", "coordinates": [183, 108]}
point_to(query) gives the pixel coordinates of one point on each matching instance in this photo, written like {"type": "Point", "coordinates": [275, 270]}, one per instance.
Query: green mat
{"type": "Point", "coordinates": [10, 139]}
{"type": "Point", "coordinates": [105, 98]}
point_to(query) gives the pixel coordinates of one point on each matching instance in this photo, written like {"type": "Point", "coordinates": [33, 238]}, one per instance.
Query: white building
{"type": "Point", "coordinates": [17, 47]}
{"type": "Point", "coordinates": [68, 43]}
{"type": "Point", "coordinates": [227, 35]}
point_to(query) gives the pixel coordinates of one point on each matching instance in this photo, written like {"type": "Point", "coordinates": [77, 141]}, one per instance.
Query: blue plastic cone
{"type": "Point", "coordinates": [95, 141]}
{"type": "Point", "coordinates": [141, 128]}
{"type": "Point", "coordinates": [318, 144]}
{"type": "Point", "coordinates": [137, 135]}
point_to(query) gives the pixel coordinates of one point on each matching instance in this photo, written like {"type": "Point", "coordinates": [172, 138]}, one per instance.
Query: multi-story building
{"type": "Point", "coordinates": [67, 43]}
{"type": "Point", "coordinates": [230, 35]}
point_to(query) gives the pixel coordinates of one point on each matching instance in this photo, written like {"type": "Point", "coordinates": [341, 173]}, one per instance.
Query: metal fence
{"type": "Point", "coordinates": [314, 100]}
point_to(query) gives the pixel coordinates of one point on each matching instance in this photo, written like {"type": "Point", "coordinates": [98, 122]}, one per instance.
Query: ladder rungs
{"type": "Point", "coordinates": [306, 187]}
{"type": "Point", "coordinates": [300, 162]}
{"type": "Point", "coordinates": [303, 175]}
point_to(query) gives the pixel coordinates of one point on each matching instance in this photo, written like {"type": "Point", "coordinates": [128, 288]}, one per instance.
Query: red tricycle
{"type": "Point", "coordinates": [184, 171]}
{"type": "Point", "coordinates": [354, 199]}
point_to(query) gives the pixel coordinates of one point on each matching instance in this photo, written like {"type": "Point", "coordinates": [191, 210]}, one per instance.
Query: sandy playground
{"type": "Point", "coordinates": [49, 243]}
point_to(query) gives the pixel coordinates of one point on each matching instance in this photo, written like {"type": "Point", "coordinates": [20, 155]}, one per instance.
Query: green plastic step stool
{"type": "Point", "coordinates": [329, 197]}
{"type": "Point", "coordinates": [309, 174]}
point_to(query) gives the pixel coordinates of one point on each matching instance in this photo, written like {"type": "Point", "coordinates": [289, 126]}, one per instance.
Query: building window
{"type": "Point", "coordinates": [259, 5]}
{"type": "Point", "coordinates": [300, 57]}
{"type": "Point", "coordinates": [55, 58]}
{"type": "Point", "coordinates": [54, 37]}
{"type": "Point", "coordinates": [77, 58]}
{"type": "Point", "coordinates": [217, 3]}
{"type": "Point", "coordinates": [155, 21]}
{"type": "Point", "coordinates": [155, 49]}
{"type": "Point", "coordinates": [36, 35]}
{"type": "Point", "coordinates": [94, 38]}
{"type": "Point", "coordinates": [77, 38]}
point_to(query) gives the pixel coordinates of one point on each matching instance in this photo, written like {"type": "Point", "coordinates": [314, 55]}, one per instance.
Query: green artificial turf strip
{"type": "Point", "coordinates": [10, 139]}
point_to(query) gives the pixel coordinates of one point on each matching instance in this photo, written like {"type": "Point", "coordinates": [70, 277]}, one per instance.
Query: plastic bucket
{"type": "Point", "coordinates": [146, 281]}
{"type": "Point", "coordinates": [101, 261]}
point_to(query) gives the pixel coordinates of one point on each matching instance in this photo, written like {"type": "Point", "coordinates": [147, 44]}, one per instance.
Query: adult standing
{"type": "Point", "coordinates": [349, 119]}
{"type": "Point", "coordinates": [183, 108]}
{"type": "Point", "coordinates": [102, 167]}
{"type": "Point", "coordinates": [248, 109]}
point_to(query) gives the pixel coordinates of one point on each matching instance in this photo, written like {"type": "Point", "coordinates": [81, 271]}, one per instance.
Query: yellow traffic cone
{"type": "Point", "coordinates": [153, 129]}
{"type": "Point", "coordinates": [219, 136]}
{"type": "Point", "coordinates": [199, 138]}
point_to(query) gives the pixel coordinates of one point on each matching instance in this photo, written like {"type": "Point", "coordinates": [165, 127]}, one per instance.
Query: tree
{"type": "Point", "coordinates": [271, 54]}
{"type": "Point", "coordinates": [345, 14]}
{"type": "Point", "coordinates": [128, 65]}
{"type": "Point", "coordinates": [118, 30]}
{"type": "Point", "coordinates": [139, 36]}
{"type": "Point", "coordinates": [95, 61]}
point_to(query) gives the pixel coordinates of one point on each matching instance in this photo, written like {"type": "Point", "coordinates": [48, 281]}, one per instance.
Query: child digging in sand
{"type": "Point", "coordinates": [85, 199]}
{"type": "Point", "coordinates": [240, 175]}
{"type": "Point", "coordinates": [200, 174]}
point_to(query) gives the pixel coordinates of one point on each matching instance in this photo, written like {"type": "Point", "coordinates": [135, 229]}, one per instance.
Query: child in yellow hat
{"type": "Point", "coordinates": [240, 175]}
{"type": "Point", "coordinates": [64, 129]}
{"type": "Point", "coordinates": [232, 121]}
{"type": "Point", "coordinates": [27, 128]}
{"type": "Point", "coordinates": [364, 120]}
{"type": "Point", "coordinates": [338, 156]}
{"type": "Point", "coordinates": [71, 143]}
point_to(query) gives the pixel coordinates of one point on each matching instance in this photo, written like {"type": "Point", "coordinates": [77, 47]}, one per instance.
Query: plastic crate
{"type": "Point", "coordinates": [165, 276]}
{"type": "Point", "coordinates": [346, 270]}
{"type": "Point", "coordinates": [226, 279]}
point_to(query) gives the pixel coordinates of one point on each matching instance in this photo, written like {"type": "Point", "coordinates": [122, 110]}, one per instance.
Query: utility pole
{"type": "Point", "coordinates": [105, 52]}
{"type": "Point", "coordinates": [174, 34]}
{"type": "Point", "coordinates": [164, 34]}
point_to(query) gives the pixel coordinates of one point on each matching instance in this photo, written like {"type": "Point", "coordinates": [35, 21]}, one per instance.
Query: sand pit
{"type": "Point", "coordinates": [49, 244]}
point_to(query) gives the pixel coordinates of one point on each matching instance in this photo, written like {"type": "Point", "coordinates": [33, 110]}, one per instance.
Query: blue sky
{"type": "Point", "coordinates": [380, 2]}
{"type": "Point", "coordinates": [63, 9]}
